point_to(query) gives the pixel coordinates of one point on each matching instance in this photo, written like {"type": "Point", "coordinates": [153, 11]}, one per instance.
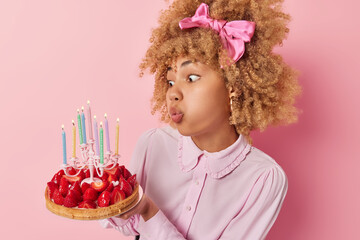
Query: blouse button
{"type": "Point", "coordinates": [188, 208]}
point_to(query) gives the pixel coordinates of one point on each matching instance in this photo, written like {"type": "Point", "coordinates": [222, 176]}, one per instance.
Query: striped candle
{"type": "Point", "coordinates": [107, 134]}
{"type": "Point", "coordinates": [117, 138]}
{"type": "Point", "coordinates": [74, 139]}
{"type": "Point", "coordinates": [89, 119]}
{"type": "Point", "coordinates": [79, 127]}
{"type": "Point", "coordinates": [101, 144]}
{"type": "Point", "coordinates": [96, 132]}
{"type": "Point", "coordinates": [64, 144]}
{"type": "Point", "coordinates": [83, 125]}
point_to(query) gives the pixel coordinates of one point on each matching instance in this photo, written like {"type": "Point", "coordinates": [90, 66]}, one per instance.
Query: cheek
{"type": "Point", "coordinates": [167, 99]}
{"type": "Point", "coordinates": [209, 102]}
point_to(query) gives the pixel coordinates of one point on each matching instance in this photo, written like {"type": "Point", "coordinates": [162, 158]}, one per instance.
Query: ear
{"type": "Point", "coordinates": [231, 92]}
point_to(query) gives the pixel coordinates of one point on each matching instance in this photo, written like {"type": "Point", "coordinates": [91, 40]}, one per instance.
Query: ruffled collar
{"type": "Point", "coordinates": [218, 164]}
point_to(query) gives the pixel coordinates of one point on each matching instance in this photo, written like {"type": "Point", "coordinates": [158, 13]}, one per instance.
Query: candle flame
{"type": "Point", "coordinates": [117, 120]}
{"type": "Point", "coordinates": [82, 108]}
{"type": "Point", "coordinates": [88, 102]}
{"type": "Point", "coordinates": [105, 115]}
{"type": "Point", "coordinates": [78, 110]}
{"type": "Point", "coordinates": [95, 117]}
{"type": "Point", "coordinates": [100, 124]}
{"type": "Point", "coordinates": [73, 122]}
{"type": "Point", "coordinates": [62, 127]}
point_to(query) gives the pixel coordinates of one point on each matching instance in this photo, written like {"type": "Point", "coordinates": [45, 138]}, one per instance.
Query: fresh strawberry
{"type": "Point", "coordinates": [100, 185]}
{"type": "Point", "coordinates": [110, 187]}
{"type": "Point", "coordinates": [104, 199]}
{"type": "Point", "coordinates": [76, 186]}
{"type": "Point", "coordinates": [70, 201]}
{"type": "Point", "coordinates": [132, 180]}
{"type": "Point", "coordinates": [90, 194]}
{"type": "Point", "coordinates": [84, 186]}
{"type": "Point", "coordinates": [87, 204]}
{"type": "Point", "coordinates": [57, 197]}
{"type": "Point", "coordinates": [105, 176]}
{"type": "Point", "coordinates": [57, 177]}
{"type": "Point", "coordinates": [117, 172]}
{"type": "Point", "coordinates": [126, 174]}
{"type": "Point", "coordinates": [73, 179]}
{"type": "Point", "coordinates": [70, 171]}
{"type": "Point", "coordinates": [75, 195]}
{"type": "Point", "coordinates": [64, 186]}
{"type": "Point", "coordinates": [82, 174]}
{"type": "Point", "coordinates": [112, 177]}
{"type": "Point", "coordinates": [117, 195]}
{"type": "Point", "coordinates": [121, 169]}
{"type": "Point", "coordinates": [51, 188]}
{"type": "Point", "coordinates": [114, 171]}
{"type": "Point", "coordinates": [125, 186]}
{"type": "Point", "coordinates": [87, 173]}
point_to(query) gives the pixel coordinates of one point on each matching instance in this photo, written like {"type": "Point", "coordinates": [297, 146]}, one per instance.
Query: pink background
{"type": "Point", "coordinates": [55, 55]}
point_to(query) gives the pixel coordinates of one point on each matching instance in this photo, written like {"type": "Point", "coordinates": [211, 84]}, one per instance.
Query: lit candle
{"type": "Point", "coordinates": [101, 144]}
{"type": "Point", "coordinates": [74, 140]}
{"type": "Point", "coordinates": [117, 137]}
{"type": "Point", "coordinates": [107, 134]}
{"type": "Point", "coordinates": [83, 125]}
{"type": "Point", "coordinates": [89, 117]}
{"type": "Point", "coordinates": [64, 144]}
{"type": "Point", "coordinates": [97, 150]}
{"type": "Point", "coordinates": [79, 127]}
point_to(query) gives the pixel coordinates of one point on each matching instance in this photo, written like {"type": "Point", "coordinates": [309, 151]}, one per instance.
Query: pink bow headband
{"type": "Point", "coordinates": [233, 34]}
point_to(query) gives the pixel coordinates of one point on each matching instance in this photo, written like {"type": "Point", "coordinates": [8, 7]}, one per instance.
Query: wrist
{"type": "Point", "coordinates": [150, 209]}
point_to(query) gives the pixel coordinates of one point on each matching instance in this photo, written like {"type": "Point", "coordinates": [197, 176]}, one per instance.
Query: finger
{"type": "Point", "coordinates": [128, 214]}
{"type": "Point", "coordinates": [136, 210]}
{"type": "Point", "coordinates": [124, 216]}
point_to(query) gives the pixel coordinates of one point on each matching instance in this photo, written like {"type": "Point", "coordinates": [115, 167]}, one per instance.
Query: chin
{"type": "Point", "coordinates": [185, 133]}
{"type": "Point", "coordinates": [187, 130]}
{"type": "Point", "coordinates": [183, 130]}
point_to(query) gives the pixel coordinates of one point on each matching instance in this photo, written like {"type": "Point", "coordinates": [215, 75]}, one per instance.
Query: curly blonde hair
{"type": "Point", "coordinates": [265, 87]}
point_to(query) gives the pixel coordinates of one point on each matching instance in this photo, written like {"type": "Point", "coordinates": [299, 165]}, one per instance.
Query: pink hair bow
{"type": "Point", "coordinates": [233, 34]}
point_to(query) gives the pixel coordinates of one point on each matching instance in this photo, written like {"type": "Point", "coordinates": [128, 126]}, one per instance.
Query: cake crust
{"type": "Point", "coordinates": [93, 214]}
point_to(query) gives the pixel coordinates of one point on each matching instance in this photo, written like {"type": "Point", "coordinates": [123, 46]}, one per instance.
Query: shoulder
{"type": "Point", "coordinates": [163, 135]}
{"type": "Point", "coordinates": [152, 141]}
{"type": "Point", "coordinates": [264, 167]}
{"type": "Point", "coordinates": [261, 160]}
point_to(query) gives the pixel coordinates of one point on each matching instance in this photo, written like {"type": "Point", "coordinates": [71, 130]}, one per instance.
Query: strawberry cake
{"type": "Point", "coordinates": [114, 193]}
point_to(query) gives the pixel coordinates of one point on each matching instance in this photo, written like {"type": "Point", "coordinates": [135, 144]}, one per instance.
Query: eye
{"type": "Point", "coordinates": [170, 83]}
{"type": "Point", "coordinates": [193, 78]}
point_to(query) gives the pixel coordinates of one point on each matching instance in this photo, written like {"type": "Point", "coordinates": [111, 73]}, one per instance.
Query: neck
{"type": "Point", "coordinates": [216, 140]}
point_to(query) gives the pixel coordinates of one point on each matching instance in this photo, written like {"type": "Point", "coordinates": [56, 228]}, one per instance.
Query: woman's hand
{"type": "Point", "coordinates": [146, 208]}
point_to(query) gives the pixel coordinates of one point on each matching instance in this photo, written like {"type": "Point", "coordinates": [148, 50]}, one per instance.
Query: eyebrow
{"type": "Point", "coordinates": [182, 65]}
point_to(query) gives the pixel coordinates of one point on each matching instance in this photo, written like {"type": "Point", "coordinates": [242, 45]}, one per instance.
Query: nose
{"type": "Point", "coordinates": [174, 94]}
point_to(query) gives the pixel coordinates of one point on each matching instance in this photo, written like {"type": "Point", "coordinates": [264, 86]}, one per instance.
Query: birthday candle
{"type": "Point", "coordinates": [79, 127]}
{"type": "Point", "coordinates": [97, 150]}
{"type": "Point", "coordinates": [101, 144]}
{"type": "Point", "coordinates": [117, 137]}
{"type": "Point", "coordinates": [74, 140]}
{"type": "Point", "coordinates": [107, 134]}
{"type": "Point", "coordinates": [83, 124]}
{"type": "Point", "coordinates": [64, 144]}
{"type": "Point", "coordinates": [89, 117]}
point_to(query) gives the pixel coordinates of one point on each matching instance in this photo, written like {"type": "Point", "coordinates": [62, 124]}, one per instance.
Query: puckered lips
{"type": "Point", "coordinates": [175, 114]}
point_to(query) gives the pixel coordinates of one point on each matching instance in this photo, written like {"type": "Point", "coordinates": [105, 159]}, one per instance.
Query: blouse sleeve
{"type": "Point", "coordinates": [261, 208]}
{"type": "Point", "coordinates": [137, 163]}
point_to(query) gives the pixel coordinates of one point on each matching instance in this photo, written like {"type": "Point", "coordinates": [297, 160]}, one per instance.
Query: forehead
{"type": "Point", "coordinates": [181, 62]}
